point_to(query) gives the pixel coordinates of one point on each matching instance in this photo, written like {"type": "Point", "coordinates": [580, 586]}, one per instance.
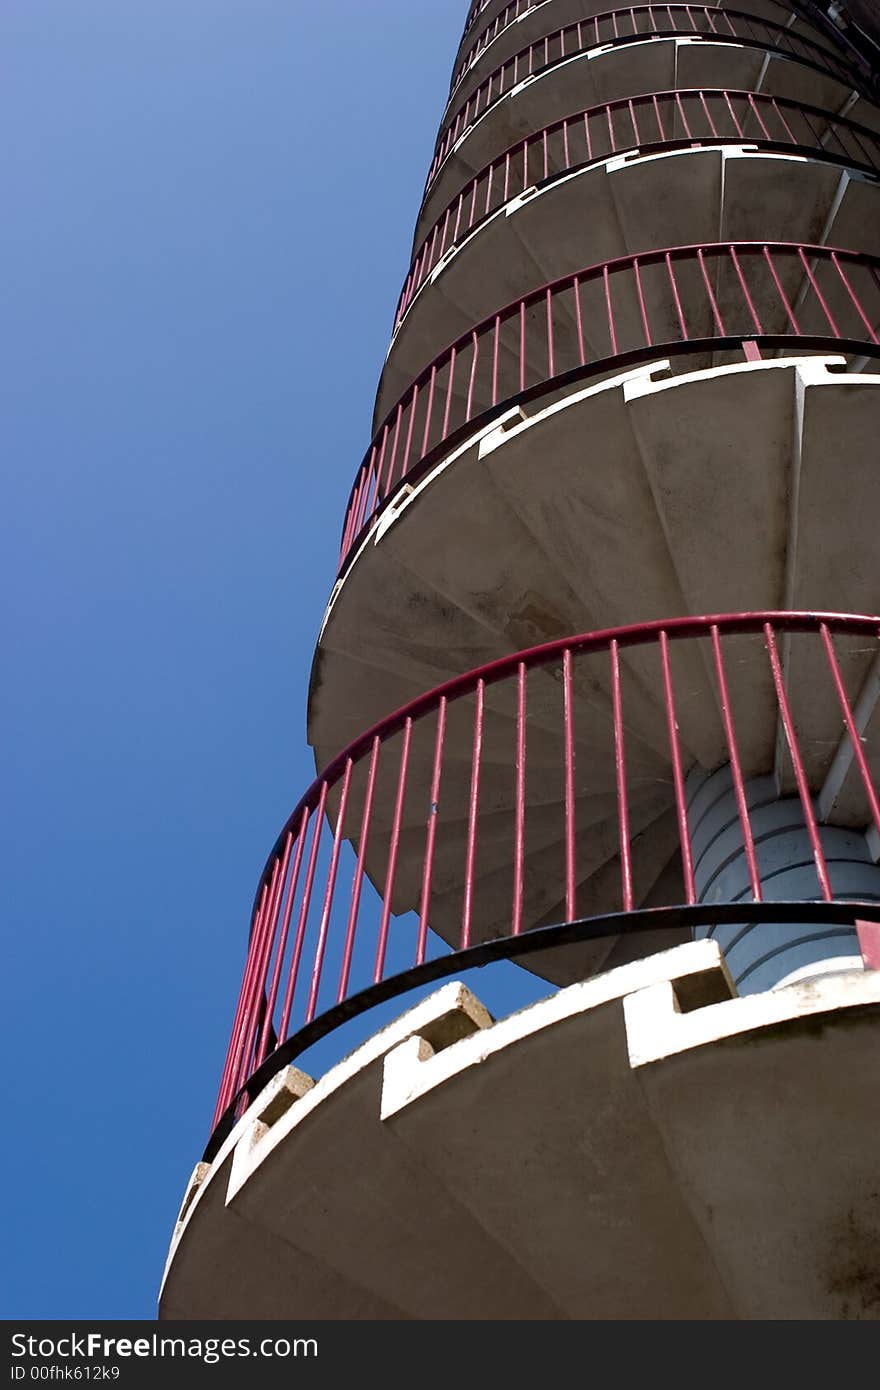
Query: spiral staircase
{"type": "Point", "coordinates": [596, 691]}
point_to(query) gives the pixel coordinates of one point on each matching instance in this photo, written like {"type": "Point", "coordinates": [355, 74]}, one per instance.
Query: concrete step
{"type": "Point", "coordinates": [521, 589]}
{"type": "Point", "coordinates": [625, 206]}
{"type": "Point", "coordinates": [546, 19]}
{"type": "Point", "coordinates": [401, 1269]}
{"type": "Point", "coordinates": [514, 1169]}
{"type": "Point", "coordinates": [601, 75]}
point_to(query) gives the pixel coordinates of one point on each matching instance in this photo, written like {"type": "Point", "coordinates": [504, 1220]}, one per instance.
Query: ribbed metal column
{"type": "Point", "coordinates": [762, 956]}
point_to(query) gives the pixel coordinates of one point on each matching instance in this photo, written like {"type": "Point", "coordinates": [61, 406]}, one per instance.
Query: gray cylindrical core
{"type": "Point", "coordinates": [764, 956]}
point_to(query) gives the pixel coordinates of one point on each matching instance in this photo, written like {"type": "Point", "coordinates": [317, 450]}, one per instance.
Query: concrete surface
{"type": "Point", "coordinates": [642, 1145]}
{"type": "Point", "coordinates": [606, 74]}
{"type": "Point", "coordinates": [626, 205]}
{"type": "Point", "coordinates": [627, 519]}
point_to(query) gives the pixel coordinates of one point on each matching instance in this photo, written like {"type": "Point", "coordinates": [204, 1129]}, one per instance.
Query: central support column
{"type": "Point", "coordinates": [764, 956]}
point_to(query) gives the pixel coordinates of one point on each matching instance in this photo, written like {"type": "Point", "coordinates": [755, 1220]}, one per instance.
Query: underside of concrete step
{"type": "Point", "coordinates": [638, 512]}
{"type": "Point", "coordinates": [617, 1151]}
{"type": "Point", "coordinates": [608, 74]}
{"type": "Point", "coordinates": [628, 205]}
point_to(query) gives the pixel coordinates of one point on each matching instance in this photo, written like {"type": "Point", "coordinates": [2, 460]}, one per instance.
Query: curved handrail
{"type": "Point", "coordinates": [394, 768]}
{"type": "Point", "coordinates": [639, 23]}
{"type": "Point", "coordinates": [652, 304]}
{"type": "Point", "coordinates": [843, 913]}
{"type": "Point", "coordinates": [499, 25]}
{"type": "Point", "coordinates": [643, 123]}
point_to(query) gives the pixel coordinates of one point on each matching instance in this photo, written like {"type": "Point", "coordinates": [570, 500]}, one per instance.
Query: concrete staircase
{"type": "Point", "coordinates": [637, 512]}
{"type": "Point", "coordinates": [628, 205]}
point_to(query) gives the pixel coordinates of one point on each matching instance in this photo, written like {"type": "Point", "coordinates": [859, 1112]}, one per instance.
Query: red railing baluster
{"type": "Point", "coordinates": [495, 346]}
{"type": "Point", "coordinates": [551, 357]}
{"type": "Point", "coordinates": [626, 873]}
{"type": "Point", "coordinates": [675, 295]}
{"type": "Point", "coordinates": [742, 804]}
{"type": "Point", "coordinates": [475, 354]}
{"type": "Point", "coordinates": [612, 331]}
{"type": "Point", "coordinates": [239, 1060]}
{"type": "Point", "coordinates": [305, 904]}
{"type": "Point", "coordinates": [354, 528]}
{"type": "Point", "coordinates": [708, 114]}
{"type": "Point", "coordinates": [777, 108]}
{"type": "Point", "coordinates": [393, 848]}
{"type": "Point", "coordinates": [733, 116]}
{"type": "Point", "coordinates": [473, 811]}
{"type": "Point", "coordinates": [684, 120]}
{"type": "Point", "coordinates": [330, 888]}
{"type": "Point", "coordinates": [818, 293]}
{"type": "Point", "coordinates": [522, 345]}
{"type": "Point", "coordinates": [745, 289]}
{"type": "Point", "coordinates": [800, 775]}
{"type": "Point", "coordinates": [385, 488]}
{"type": "Point", "coordinates": [413, 403]}
{"type": "Point", "coordinates": [458, 216]}
{"type": "Point", "coordinates": [687, 865]}
{"type": "Point", "coordinates": [227, 1089]}
{"type": "Point", "coordinates": [852, 729]}
{"type": "Point", "coordinates": [431, 833]}
{"type": "Point", "coordinates": [285, 928]}
{"type": "Point", "coordinates": [835, 261]}
{"type": "Point", "coordinates": [449, 389]}
{"type": "Point", "coordinates": [429, 410]}
{"type": "Point", "coordinates": [579, 320]}
{"type": "Point", "coordinates": [357, 881]}
{"type": "Point", "coordinates": [757, 115]}
{"type": "Point", "coordinates": [781, 292]}
{"type": "Point", "coordinates": [568, 725]}
{"type": "Point", "coordinates": [520, 798]}
{"type": "Point", "coordinates": [431, 262]}
{"type": "Point", "coordinates": [642, 308]}
{"type": "Point", "coordinates": [263, 1040]}
{"type": "Point", "coordinates": [251, 1021]}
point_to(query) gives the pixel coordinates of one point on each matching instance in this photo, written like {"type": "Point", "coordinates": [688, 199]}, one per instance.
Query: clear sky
{"type": "Point", "coordinates": [207, 213]}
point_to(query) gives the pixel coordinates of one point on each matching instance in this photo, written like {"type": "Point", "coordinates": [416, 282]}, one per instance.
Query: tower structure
{"type": "Point", "coordinates": [596, 692]}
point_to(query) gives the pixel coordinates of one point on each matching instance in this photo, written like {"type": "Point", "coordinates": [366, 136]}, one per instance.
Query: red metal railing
{"type": "Point", "coordinates": [685, 299]}
{"type": "Point", "coordinates": [476, 9]}
{"type": "Point", "coordinates": [478, 806]}
{"type": "Point", "coordinates": [502, 21]}
{"type": "Point", "coordinates": [625, 26]}
{"type": "Point", "coordinates": [661, 120]}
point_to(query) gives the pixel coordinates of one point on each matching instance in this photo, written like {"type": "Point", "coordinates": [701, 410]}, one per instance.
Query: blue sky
{"type": "Point", "coordinates": [208, 210]}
